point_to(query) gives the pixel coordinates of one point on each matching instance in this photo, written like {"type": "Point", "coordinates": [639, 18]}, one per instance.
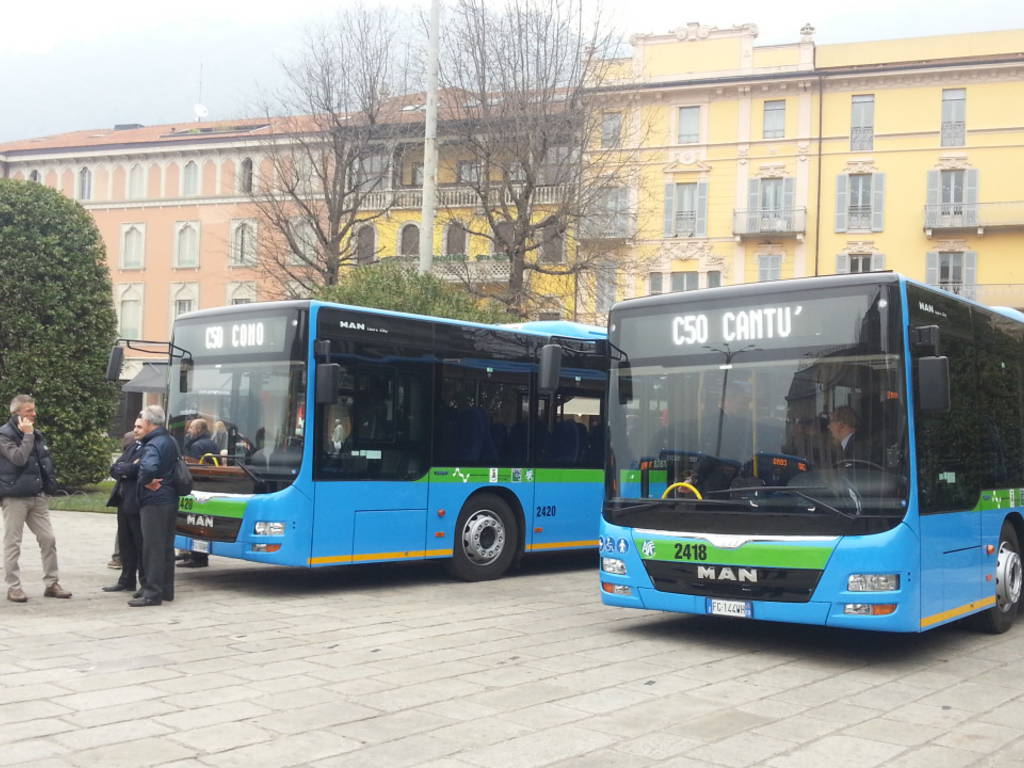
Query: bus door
{"type": "Point", "coordinates": [569, 451]}
{"type": "Point", "coordinates": [372, 454]}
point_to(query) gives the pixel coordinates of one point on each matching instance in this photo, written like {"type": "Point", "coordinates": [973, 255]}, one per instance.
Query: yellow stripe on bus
{"type": "Point", "coordinates": [563, 545]}
{"type": "Point", "coordinates": [927, 621]}
{"type": "Point", "coordinates": [340, 559]}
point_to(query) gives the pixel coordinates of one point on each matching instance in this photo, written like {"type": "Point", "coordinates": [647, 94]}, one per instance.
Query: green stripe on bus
{"type": "Point", "coordinates": [511, 475]}
{"type": "Point", "coordinates": [215, 507]}
{"type": "Point", "coordinates": [783, 554]}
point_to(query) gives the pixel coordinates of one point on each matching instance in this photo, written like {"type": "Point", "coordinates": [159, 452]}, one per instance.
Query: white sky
{"type": "Point", "coordinates": [67, 65]}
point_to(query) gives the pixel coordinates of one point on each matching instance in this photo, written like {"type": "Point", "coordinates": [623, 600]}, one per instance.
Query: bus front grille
{"type": "Point", "coordinates": [784, 585]}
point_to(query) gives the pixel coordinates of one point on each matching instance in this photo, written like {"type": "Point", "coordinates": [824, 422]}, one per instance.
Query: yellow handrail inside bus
{"type": "Point", "coordinates": [216, 459]}
{"type": "Point", "coordinates": [687, 486]}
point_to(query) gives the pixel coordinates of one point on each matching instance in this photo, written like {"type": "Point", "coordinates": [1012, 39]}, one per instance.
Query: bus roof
{"type": "Point", "coordinates": [543, 328]}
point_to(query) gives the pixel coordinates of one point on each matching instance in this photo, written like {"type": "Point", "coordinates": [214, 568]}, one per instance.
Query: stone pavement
{"type": "Point", "coordinates": [400, 666]}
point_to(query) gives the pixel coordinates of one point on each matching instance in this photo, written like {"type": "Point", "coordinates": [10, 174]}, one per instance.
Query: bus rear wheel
{"type": "Point", "coordinates": [1009, 580]}
{"type": "Point", "coordinates": [485, 539]}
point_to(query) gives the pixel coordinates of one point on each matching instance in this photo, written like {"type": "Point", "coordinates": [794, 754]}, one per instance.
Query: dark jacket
{"type": "Point", "coordinates": [201, 446]}
{"type": "Point", "coordinates": [156, 460]}
{"type": "Point", "coordinates": [126, 471]}
{"type": "Point", "coordinates": [26, 468]}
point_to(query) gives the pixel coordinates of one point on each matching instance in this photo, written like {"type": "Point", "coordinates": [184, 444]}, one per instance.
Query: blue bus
{"type": "Point", "coordinates": [844, 451]}
{"type": "Point", "coordinates": [347, 435]}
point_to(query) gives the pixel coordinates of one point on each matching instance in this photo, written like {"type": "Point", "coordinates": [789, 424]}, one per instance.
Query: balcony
{"type": "Point", "coordinates": [776, 222]}
{"type": "Point", "coordinates": [858, 217]}
{"type": "Point", "coordinates": [862, 138]}
{"type": "Point", "coordinates": [455, 197]}
{"type": "Point", "coordinates": [954, 133]}
{"type": "Point", "coordinates": [457, 268]}
{"type": "Point", "coordinates": [946, 217]}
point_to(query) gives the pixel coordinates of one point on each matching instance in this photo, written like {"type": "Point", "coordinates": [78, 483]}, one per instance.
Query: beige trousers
{"type": "Point", "coordinates": [31, 511]}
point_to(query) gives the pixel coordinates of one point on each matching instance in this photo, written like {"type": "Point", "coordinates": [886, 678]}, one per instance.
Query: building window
{"type": "Point", "coordinates": [409, 244]}
{"type": "Point", "coordinates": [85, 184]}
{"type": "Point", "coordinates": [860, 202]}
{"type": "Point", "coordinates": [552, 246]}
{"type": "Point", "coordinates": [775, 119]}
{"type": "Point", "coordinates": [184, 298]}
{"type": "Point", "coordinates": [685, 281]}
{"type": "Point", "coordinates": [133, 240]}
{"type": "Point", "coordinates": [954, 111]}
{"type": "Point", "coordinates": [129, 309]}
{"type": "Point", "coordinates": [190, 179]}
{"type": "Point", "coordinates": [689, 125]}
{"type": "Point", "coordinates": [609, 216]}
{"type": "Point", "coordinates": [182, 306]}
{"type": "Point", "coordinates": [136, 182]}
{"type": "Point", "coordinates": [243, 244]}
{"type": "Point", "coordinates": [33, 176]}
{"type": "Point", "coordinates": [606, 285]}
{"type": "Point", "coordinates": [560, 164]}
{"type": "Point", "coordinates": [654, 282]}
{"type": "Point", "coordinates": [686, 209]}
{"type": "Point", "coordinates": [549, 316]}
{"type": "Point", "coordinates": [714, 278]}
{"type": "Point", "coordinates": [859, 262]}
{"type": "Point", "coordinates": [416, 178]}
{"type": "Point", "coordinates": [859, 215]}
{"type": "Point", "coordinates": [953, 271]}
{"type": "Point", "coordinates": [862, 123]}
{"type": "Point", "coordinates": [468, 173]}
{"type": "Point", "coordinates": [769, 267]}
{"type": "Point", "coordinates": [952, 198]}
{"type": "Point", "coordinates": [366, 245]}
{"type": "Point", "coordinates": [370, 173]}
{"type": "Point", "coordinates": [245, 176]}
{"type": "Point", "coordinates": [186, 249]}
{"type": "Point", "coordinates": [302, 245]}
{"type": "Point", "coordinates": [611, 130]}
{"type": "Point", "coordinates": [241, 293]}
{"type": "Point", "coordinates": [455, 240]}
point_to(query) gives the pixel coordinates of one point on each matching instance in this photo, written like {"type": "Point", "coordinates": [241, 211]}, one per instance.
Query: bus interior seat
{"type": "Point", "coordinates": [564, 446]}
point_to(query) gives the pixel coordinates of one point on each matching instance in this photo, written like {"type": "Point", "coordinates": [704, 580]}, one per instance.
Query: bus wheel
{"type": "Point", "coordinates": [485, 539]}
{"type": "Point", "coordinates": [1009, 578]}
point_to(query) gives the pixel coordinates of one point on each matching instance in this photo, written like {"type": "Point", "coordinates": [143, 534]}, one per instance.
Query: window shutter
{"type": "Point", "coordinates": [762, 267]}
{"type": "Point", "coordinates": [877, 262]}
{"type": "Point", "coordinates": [842, 263]}
{"type": "Point", "coordinates": [970, 273]}
{"type": "Point", "coordinates": [701, 226]}
{"type": "Point", "coordinates": [877, 202]}
{"type": "Point", "coordinates": [753, 205]}
{"type": "Point", "coordinates": [670, 212]}
{"type": "Point", "coordinates": [932, 214]}
{"type": "Point", "coordinates": [971, 197]}
{"type": "Point", "coordinates": [931, 266]}
{"type": "Point", "coordinates": [842, 198]}
{"type": "Point", "coordinates": [789, 195]}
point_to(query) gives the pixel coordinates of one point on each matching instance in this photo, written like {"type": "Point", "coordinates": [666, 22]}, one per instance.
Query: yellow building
{"type": "Point", "coordinates": [767, 162]}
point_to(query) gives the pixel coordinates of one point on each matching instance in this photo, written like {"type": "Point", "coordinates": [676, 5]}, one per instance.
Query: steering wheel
{"type": "Point", "coordinates": [850, 462]}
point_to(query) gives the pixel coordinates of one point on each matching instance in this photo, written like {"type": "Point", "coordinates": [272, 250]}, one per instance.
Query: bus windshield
{"type": "Point", "coordinates": [249, 389]}
{"type": "Point", "coordinates": [791, 410]}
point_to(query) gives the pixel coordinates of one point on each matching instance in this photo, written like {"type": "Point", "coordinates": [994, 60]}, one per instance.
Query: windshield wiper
{"type": "Point", "coordinates": [798, 492]}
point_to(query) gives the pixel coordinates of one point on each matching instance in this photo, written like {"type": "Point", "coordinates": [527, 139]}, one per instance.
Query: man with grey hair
{"type": "Point", "coordinates": [26, 472]}
{"type": "Point", "coordinates": [158, 508]}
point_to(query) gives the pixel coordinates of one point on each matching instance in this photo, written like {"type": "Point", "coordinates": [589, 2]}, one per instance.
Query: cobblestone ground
{"type": "Point", "coordinates": [400, 666]}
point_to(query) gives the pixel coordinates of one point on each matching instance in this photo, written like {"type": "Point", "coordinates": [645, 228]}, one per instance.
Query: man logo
{"type": "Point", "coordinates": [740, 575]}
{"type": "Point", "coordinates": [352, 326]}
{"type": "Point", "coordinates": [203, 521]}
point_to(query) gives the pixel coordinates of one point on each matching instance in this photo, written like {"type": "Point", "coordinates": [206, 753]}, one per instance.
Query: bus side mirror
{"type": "Point", "coordinates": [625, 382]}
{"type": "Point", "coordinates": [328, 378]}
{"type": "Point", "coordinates": [933, 384]}
{"type": "Point", "coordinates": [115, 363]}
{"type": "Point", "coordinates": [550, 369]}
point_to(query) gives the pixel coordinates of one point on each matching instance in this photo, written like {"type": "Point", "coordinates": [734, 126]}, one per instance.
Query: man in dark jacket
{"type": "Point", "coordinates": [158, 507]}
{"type": "Point", "coordinates": [198, 442]}
{"type": "Point", "coordinates": [129, 528]}
{"type": "Point", "coordinates": [26, 473]}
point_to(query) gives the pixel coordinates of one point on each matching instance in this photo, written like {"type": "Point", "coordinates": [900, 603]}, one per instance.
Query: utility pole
{"type": "Point", "coordinates": [430, 145]}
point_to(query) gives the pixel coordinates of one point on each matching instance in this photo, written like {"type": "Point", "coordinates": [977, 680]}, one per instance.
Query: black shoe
{"type": "Point", "coordinates": [116, 588]}
{"type": "Point", "coordinates": [137, 593]}
{"type": "Point", "coordinates": [142, 602]}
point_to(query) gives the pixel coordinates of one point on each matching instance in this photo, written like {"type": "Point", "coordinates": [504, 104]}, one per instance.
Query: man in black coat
{"type": "Point", "coordinates": [27, 473]}
{"type": "Point", "coordinates": [126, 498]}
{"type": "Point", "coordinates": [198, 442]}
{"type": "Point", "coordinates": [158, 507]}
{"type": "Point", "coordinates": [842, 425]}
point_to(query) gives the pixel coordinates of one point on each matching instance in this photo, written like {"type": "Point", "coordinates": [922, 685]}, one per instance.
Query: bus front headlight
{"type": "Point", "coordinates": [264, 528]}
{"type": "Point", "coordinates": [613, 565]}
{"type": "Point", "coordinates": [873, 582]}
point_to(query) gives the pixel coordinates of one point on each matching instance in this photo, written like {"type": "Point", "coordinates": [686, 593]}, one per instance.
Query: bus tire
{"type": "Point", "coordinates": [1009, 578]}
{"type": "Point", "coordinates": [486, 536]}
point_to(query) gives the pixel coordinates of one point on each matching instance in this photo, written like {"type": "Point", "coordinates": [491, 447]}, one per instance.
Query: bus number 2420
{"type": "Point", "coordinates": [546, 510]}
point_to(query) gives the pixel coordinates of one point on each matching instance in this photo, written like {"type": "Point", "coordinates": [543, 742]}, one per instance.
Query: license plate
{"type": "Point", "coordinates": [739, 609]}
{"type": "Point", "coordinates": [200, 546]}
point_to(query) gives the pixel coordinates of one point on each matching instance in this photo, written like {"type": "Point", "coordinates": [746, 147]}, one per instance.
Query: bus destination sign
{"type": "Point", "coordinates": [240, 335]}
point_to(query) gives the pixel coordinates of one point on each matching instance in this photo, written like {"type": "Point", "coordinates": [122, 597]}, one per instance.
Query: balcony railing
{"type": "Point", "coordinates": [858, 217]}
{"type": "Point", "coordinates": [685, 224]}
{"type": "Point", "coordinates": [1004, 215]}
{"type": "Point", "coordinates": [456, 197]}
{"type": "Point", "coordinates": [862, 138]}
{"type": "Point", "coordinates": [455, 268]}
{"type": "Point", "coordinates": [769, 221]}
{"type": "Point", "coordinates": [953, 133]}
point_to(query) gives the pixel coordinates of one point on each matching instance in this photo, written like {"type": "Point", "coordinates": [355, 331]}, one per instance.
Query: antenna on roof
{"type": "Point", "coordinates": [199, 109]}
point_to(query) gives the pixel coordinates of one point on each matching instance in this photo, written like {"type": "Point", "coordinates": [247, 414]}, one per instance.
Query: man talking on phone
{"type": "Point", "coordinates": [26, 473]}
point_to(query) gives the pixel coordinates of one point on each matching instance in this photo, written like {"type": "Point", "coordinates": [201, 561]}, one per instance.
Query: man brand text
{"type": "Point", "coordinates": [352, 326]}
{"type": "Point", "coordinates": [727, 574]}
{"type": "Point", "coordinates": [203, 521]}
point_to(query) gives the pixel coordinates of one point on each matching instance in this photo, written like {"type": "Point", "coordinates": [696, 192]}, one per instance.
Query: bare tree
{"type": "Point", "coordinates": [539, 142]}
{"type": "Point", "coordinates": [329, 144]}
